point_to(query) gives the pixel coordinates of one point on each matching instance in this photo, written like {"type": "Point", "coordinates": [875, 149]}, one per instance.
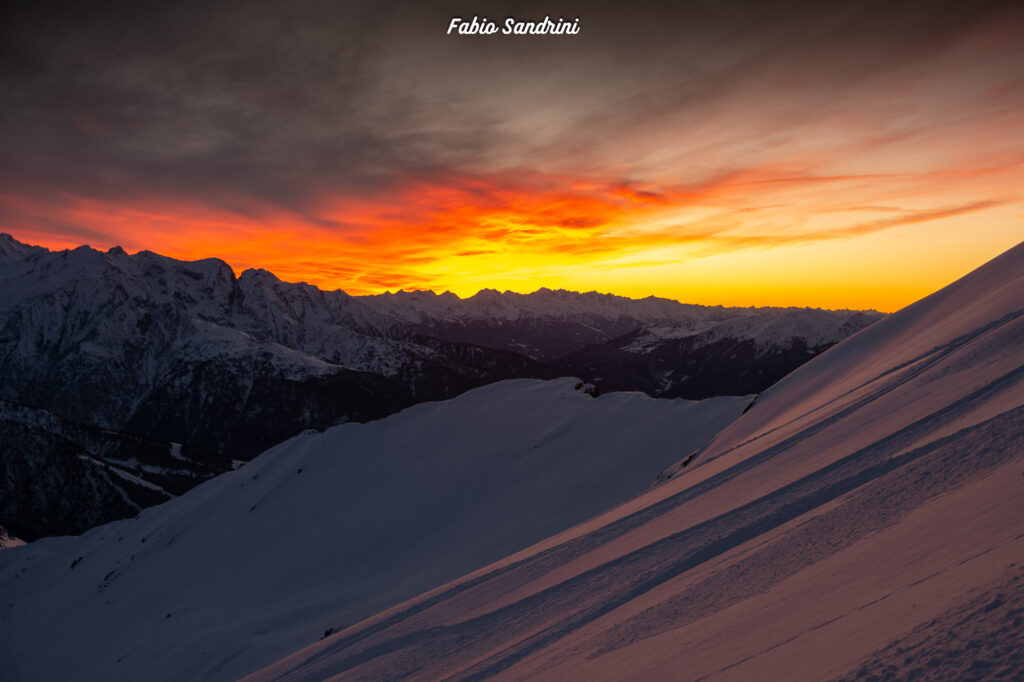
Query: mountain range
{"type": "Point", "coordinates": [128, 379]}
{"type": "Point", "coordinates": [860, 519]}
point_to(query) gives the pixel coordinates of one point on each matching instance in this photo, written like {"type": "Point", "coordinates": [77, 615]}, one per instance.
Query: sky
{"type": "Point", "coordinates": [825, 154]}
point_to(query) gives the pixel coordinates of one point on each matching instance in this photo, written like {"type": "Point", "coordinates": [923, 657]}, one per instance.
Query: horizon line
{"type": "Point", "coordinates": [414, 290]}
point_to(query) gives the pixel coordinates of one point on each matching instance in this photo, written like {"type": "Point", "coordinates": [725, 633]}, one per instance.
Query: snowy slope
{"type": "Point", "coordinates": [329, 528]}
{"type": "Point", "coordinates": [866, 512]}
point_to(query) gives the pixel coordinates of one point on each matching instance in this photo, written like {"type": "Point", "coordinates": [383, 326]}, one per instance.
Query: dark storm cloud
{"type": "Point", "coordinates": [283, 103]}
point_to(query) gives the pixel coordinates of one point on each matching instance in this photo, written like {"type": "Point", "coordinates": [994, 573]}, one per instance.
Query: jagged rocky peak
{"type": "Point", "coordinates": [258, 275]}
{"type": "Point", "coordinates": [486, 294]}
{"type": "Point", "coordinates": [12, 249]}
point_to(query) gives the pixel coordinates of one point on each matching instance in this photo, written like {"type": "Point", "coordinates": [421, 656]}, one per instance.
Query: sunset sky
{"type": "Point", "coordinates": [831, 154]}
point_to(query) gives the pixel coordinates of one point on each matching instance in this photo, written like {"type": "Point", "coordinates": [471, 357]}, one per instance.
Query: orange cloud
{"type": "Point", "coordinates": [522, 229]}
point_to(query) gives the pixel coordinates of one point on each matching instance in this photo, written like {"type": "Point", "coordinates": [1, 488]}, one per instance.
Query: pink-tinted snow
{"type": "Point", "coordinates": [865, 500]}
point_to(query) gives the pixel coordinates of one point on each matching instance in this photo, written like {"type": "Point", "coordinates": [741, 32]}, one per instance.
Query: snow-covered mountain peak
{"type": "Point", "coordinates": [258, 275]}
{"type": "Point", "coordinates": [12, 249]}
{"type": "Point", "coordinates": [487, 295]}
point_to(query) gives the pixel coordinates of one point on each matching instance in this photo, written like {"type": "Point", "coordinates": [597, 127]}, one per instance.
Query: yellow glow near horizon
{"type": "Point", "coordinates": [708, 261]}
{"type": "Point", "coordinates": [762, 237]}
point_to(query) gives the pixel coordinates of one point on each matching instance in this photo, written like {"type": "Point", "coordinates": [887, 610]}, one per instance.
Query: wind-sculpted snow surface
{"type": "Point", "coordinates": [868, 506]}
{"type": "Point", "coordinates": [329, 528]}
